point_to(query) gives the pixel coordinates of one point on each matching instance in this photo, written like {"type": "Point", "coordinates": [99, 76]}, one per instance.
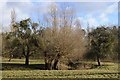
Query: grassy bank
{"type": "Point", "coordinates": [17, 69]}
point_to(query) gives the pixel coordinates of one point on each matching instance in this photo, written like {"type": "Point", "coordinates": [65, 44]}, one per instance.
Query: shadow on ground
{"type": "Point", "coordinates": [15, 66]}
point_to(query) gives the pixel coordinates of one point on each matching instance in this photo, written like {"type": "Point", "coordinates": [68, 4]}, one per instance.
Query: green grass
{"type": "Point", "coordinates": [22, 61]}
{"type": "Point", "coordinates": [108, 70]}
{"type": "Point", "coordinates": [60, 74]}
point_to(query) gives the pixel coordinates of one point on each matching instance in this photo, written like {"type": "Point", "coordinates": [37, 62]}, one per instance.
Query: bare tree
{"type": "Point", "coordinates": [61, 39]}
{"type": "Point", "coordinates": [13, 19]}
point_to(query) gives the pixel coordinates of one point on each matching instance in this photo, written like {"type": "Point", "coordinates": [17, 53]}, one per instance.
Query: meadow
{"type": "Point", "coordinates": [16, 69]}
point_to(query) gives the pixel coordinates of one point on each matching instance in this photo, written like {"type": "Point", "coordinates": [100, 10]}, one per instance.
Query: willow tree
{"type": "Point", "coordinates": [60, 37]}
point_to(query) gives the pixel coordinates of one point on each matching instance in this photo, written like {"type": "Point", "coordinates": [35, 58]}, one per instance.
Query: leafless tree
{"type": "Point", "coordinates": [13, 19]}
{"type": "Point", "coordinates": [60, 38]}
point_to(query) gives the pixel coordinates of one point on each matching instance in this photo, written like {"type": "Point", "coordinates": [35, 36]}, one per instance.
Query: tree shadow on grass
{"type": "Point", "coordinates": [15, 66]}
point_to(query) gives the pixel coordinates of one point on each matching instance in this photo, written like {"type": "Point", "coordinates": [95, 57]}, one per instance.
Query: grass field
{"type": "Point", "coordinates": [17, 69]}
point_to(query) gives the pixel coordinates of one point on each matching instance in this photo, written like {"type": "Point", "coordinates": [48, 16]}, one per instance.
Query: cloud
{"type": "Point", "coordinates": [23, 9]}
{"type": "Point", "coordinates": [112, 8]}
{"type": "Point", "coordinates": [84, 21]}
{"type": "Point", "coordinates": [92, 22]}
{"type": "Point", "coordinates": [104, 16]}
{"type": "Point", "coordinates": [20, 8]}
{"type": "Point", "coordinates": [95, 13]}
{"type": "Point", "coordinates": [42, 7]}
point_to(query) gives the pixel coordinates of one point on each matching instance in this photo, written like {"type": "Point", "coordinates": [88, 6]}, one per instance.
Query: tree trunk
{"type": "Point", "coordinates": [56, 62]}
{"type": "Point", "coordinates": [27, 56]}
{"type": "Point", "coordinates": [20, 57]}
{"type": "Point", "coordinates": [98, 60]}
{"type": "Point", "coordinates": [46, 66]}
{"type": "Point", "coordinates": [11, 56]}
{"type": "Point", "coordinates": [51, 63]}
{"type": "Point", "coordinates": [55, 65]}
{"type": "Point", "coordinates": [49, 66]}
{"type": "Point", "coordinates": [27, 60]}
{"type": "Point", "coordinates": [46, 62]}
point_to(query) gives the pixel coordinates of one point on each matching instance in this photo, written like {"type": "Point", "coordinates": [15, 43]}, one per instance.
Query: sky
{"type": "Point", "coordinates": [95, 13]}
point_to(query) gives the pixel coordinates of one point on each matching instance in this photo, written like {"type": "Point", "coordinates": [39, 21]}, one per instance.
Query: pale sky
{"type": "Point", "coordinates": [96, 13]}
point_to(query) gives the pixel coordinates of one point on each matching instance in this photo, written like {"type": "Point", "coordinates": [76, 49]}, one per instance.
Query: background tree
{"type": "Point", "coordinates": [101, 43]}
{"type": "Point", "coordinates": [25, 38]}
{"type": "Point", "coordinates": [114, 33]}
{"type": "Point", "coordinates": [118, 43]}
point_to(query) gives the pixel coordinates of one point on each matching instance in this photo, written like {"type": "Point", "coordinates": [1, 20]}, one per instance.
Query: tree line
{"type": "Point", "coordinates": [60, 40]}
